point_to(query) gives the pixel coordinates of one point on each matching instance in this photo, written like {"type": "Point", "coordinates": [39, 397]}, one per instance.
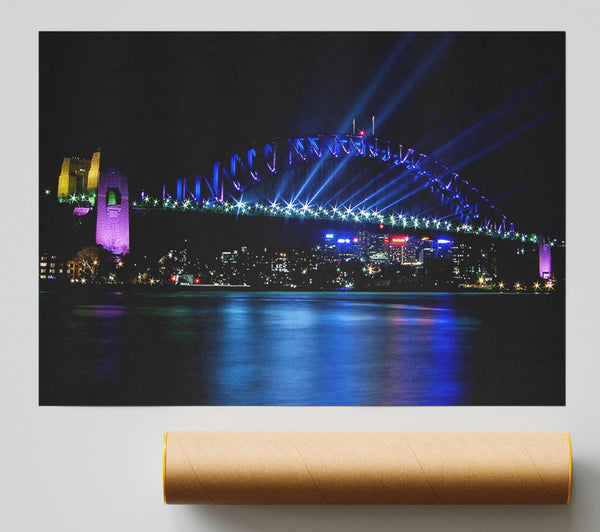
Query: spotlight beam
{"type": "Point", "coordinates": [403, 198]}
{"type": "Point", "coordinates": [498, 112]}
{"type": "Point", "coordinates": [414, 80]}
{"type": "Point", "coordinates": [507, 138]}
{"type": "Point", "coordinates": [353, 180]}
{"type": "Point", "coordinates": [377, 79]}
{"type": "Point", "coordinates": [362, 189]}
{"type": "Point", "coordinates": [331, 176]}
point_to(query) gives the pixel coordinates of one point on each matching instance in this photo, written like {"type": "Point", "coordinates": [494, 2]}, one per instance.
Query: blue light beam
{"type": "Point", "coordinates": [507, 138]}
{"type": "Point", "coordinates": [377, 79]}
{"type": "Point", "coordinates": [412, 82]}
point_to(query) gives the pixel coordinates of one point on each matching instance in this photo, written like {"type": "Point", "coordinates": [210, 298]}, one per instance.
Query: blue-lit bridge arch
{"type": "Point", "coordinates": [384, 183]}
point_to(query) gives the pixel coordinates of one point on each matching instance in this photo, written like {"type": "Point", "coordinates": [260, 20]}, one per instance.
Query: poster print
{"type": "Point", "coordinates": [302, 218]}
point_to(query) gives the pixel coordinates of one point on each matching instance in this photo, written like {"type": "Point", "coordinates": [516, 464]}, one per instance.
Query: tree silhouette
{"type": "Point", "coordinates": [94, 262]}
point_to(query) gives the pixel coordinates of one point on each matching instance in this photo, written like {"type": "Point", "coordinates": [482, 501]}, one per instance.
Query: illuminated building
{"type": "Point", "coordinates": [395, 247]}
{"type": "Point", "coordinates": [73, 270]}
{"type": "Point", "coordinates": [328, 244]}
{"type": "Point", "coordinates": [545, 260]}
{"type": "Point", "coordinates": [343, 247]}
{"type": "Point", "coordinates": [280, 263]}
{"type": "Point", "coordinates": [79, 176]}
{"type": "Point", "coordinates": [112, 221]}
{"type": "Point", "coordinates": [411, 251]}
{"type": "Point", "coordinates": [473, 264]}
{"type": "Point", "coordinates": [430, 249]}
{"type": "Point", "coordinates": [371, 246]}
{"type": "Point", "coordinates": [465, 270]}
{"type": "Point", "coordinates": [404, 249]}
{"type": "Point", "coordinates": [50, 268]}
{"type": "Point", "coordinates": [444, 248]}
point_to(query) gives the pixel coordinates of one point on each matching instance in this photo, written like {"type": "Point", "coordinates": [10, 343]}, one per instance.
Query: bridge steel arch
{"type": "Point", "coordinates": [232, 177]}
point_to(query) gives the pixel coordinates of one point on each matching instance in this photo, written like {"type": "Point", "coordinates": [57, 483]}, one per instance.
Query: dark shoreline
{"type": "Point", "coordinates": [70, 288]}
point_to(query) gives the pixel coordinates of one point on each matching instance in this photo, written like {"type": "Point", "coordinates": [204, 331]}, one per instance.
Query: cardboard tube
{"type": "Point", "coordinates": [367, 467]}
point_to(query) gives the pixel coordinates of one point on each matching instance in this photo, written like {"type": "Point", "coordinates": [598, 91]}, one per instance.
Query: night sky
{"type": "Point", "coordinates": [161, 106]}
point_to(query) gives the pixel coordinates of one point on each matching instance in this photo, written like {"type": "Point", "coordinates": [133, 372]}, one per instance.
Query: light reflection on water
{"type": "Point", "coordinates": [303, 350]}
{"type": "Point", "coordinates": [260, 349]}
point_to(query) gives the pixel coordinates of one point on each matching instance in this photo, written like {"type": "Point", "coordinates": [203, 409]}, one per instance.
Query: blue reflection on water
{"type": "Point", "coordinates": [264, 349]}
{"type": "Point", "coordinates": [318, 349]}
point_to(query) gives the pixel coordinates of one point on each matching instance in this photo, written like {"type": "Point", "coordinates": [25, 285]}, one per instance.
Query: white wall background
{"type": "Point", "coordinates": [98, 469]}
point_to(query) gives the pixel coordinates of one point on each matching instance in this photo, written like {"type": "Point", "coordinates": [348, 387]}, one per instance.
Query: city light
{"type": "Point", "coordinates": [329, 212]}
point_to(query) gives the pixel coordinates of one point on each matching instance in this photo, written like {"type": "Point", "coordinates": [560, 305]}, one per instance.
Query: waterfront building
{"type": "Point", "coordinates": [73, 270]}
{"type": "Point", "coordinates": [50, 267]}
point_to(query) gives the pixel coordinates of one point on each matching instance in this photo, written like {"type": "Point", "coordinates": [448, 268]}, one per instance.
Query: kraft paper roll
{"type": "Point", "coordinates": [367, 467]}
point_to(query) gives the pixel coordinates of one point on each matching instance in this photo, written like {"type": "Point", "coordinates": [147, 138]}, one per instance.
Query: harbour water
{"type": "Point", "coordinates": [287, 348]}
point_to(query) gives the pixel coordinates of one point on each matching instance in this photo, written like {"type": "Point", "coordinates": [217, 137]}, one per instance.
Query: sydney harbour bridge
{"type": "Point", "coordinates": [343, 178]}
{"type": "Point", "coordinates": [358, 180]}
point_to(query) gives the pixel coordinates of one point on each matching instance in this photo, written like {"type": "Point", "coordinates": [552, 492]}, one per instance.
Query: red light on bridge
{"type": "Point", "coordinates": [362, 132]}
{"type": "Point", "coordinates": [196, 280]}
